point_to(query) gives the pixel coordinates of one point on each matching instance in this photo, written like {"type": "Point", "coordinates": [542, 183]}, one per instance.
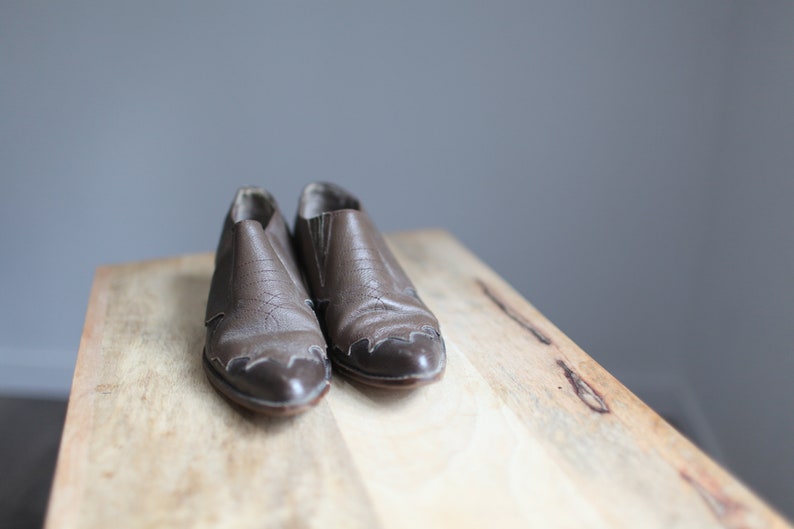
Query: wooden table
{"type": "Point", "coordinates": [525, 430]}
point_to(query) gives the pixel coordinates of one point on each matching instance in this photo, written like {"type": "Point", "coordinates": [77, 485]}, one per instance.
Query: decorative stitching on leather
{"type": "Point", "coordinates": [252, 261]}
{"type": "Point", "coordinates": [367, 266]}
{"type": "Point", "coordinates": [262, 275]}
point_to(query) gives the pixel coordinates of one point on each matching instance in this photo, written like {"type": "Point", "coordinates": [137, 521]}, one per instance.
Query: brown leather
{"type": "Point", "coordinates": [264, 347]}
{"type": "Point", "coordinates": [378, 329]}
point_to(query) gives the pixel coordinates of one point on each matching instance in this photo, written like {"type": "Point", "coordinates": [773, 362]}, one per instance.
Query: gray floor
{"type": "Point", "coordinates": [29, 438]}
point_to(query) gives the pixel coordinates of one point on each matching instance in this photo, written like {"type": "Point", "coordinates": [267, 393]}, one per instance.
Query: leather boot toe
{"type": "Point", "coordinates": [276, 385]}
{"type": "Point", "coordinates": [396, 362]}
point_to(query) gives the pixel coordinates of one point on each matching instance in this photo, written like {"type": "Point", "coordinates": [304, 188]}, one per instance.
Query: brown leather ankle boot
{"type": "Point", "coordinates": [379, 332]}
{"type": "Point", "coordinates": [264, 348]}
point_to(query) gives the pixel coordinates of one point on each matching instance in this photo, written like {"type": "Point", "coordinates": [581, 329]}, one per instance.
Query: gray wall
{"type": "Point", "coordinates": [742, 359]}
{"type": "Point", "coordinates": [578, 150]}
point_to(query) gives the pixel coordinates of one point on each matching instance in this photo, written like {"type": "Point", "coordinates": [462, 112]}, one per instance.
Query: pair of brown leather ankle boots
{"type": "Point", "coordinates": [268, 341]}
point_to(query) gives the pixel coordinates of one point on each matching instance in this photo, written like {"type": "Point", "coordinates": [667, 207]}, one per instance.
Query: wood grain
{"type": "Point", "coordinates": [525, 430]}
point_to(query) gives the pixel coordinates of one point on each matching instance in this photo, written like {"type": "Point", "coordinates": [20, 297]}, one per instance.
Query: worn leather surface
{"type": "Point", "coordinates": [264, 346]}
{"type": "Point", "coordinates": [378, 328]}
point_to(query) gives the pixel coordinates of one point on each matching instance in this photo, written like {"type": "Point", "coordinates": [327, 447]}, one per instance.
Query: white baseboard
{"type": "Point", "coordinates": [36, 372]}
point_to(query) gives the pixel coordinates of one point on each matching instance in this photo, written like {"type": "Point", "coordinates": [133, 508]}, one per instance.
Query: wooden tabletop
{"type": "Point", "coordinates": [525, 429]}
